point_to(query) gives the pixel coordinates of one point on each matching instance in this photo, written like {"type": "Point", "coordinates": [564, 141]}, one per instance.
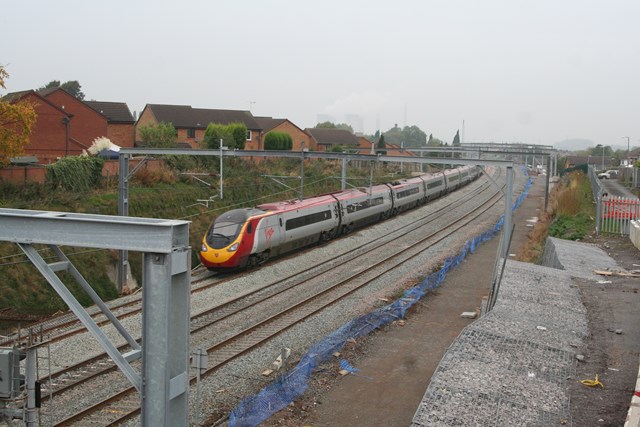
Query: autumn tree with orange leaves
{"type": "Point", "coordinates": [16, 122]}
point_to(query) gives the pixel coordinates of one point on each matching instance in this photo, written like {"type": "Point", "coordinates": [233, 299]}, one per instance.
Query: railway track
{"type": "Point", "coordinates": [112, 410]}
{"type": "Point", "coordinates": [66, 325]}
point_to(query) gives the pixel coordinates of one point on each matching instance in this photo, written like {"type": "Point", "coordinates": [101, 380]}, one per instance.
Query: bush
{"type": "Point", "coordinates": [234, 136]}
{"type": "Point", "coordinates": [239, 133]}
{"type": "Point", "coordinates": [75, 173]}
{"type": "Point", "coordinates": [162, 135]}
{"type": "Point", "coordinates": [278, 141]}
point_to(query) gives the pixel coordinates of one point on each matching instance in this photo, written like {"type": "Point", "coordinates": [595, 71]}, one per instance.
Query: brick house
{"type": "Point", "coordinates": [120, 123]}
{"type": "Point", "coordinates": [48, 139]}
{"type": "Point", "coordinates": [269, 124]}
{"type": "Point", "coordinates": [66, 126]}
{"type": "Point", "coordinates": [191, 123]}
{"type": "Point", "coordinates": [93, 119]}
{"type": "Point", "coordinates": [327, 138]}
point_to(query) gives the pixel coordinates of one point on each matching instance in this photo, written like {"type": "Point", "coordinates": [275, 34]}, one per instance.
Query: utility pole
{"type": "Point", "coordinates": [221, 189]}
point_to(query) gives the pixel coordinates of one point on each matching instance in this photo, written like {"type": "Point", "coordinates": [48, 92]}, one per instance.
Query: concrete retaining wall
{"type": "Point", "coordinates": [634, 233]}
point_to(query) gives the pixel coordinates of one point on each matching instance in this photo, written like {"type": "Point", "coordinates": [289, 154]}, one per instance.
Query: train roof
{"type": "Point", "coordinates": [360, 191]}
{"type": "Point", "coordinates": [289, 205]}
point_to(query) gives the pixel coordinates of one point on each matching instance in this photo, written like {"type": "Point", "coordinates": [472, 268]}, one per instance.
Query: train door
{"type": "Point", "coordinates": [269, 233]}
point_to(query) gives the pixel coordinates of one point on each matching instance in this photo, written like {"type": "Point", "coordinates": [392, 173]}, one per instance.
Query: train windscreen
{"type": "Point", "coordinates": [227, 227]}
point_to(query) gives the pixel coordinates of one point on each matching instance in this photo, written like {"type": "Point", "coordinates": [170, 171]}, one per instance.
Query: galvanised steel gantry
{"type": "Point", "coordinates": [164, 380]}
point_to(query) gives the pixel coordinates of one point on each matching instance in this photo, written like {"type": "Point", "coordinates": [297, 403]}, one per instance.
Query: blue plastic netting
{"type": "Point", "coordinates": [252, 410]}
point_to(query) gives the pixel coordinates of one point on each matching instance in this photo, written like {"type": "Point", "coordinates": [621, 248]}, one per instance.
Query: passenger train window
{"type": "Point", "coordinates": [307, 220]}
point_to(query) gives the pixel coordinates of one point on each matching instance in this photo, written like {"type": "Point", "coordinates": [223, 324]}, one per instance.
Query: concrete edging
{"type": "Point", "coordinates": [634, 233]}
{"type": "Point", "coordinates": [633, 415]}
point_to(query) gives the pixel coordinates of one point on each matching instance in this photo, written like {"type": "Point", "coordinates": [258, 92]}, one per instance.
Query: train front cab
{"type": "Point", "coordinates": [228, 242]}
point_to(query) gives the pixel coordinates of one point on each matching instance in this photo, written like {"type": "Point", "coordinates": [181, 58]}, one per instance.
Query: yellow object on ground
{"type": "Point", "coordinates": [593, 383]}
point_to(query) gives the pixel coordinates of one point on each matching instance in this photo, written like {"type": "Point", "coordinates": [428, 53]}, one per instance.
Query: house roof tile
{"type": "Point", "coordinates": [332, 136]}
{"type": "Point", "coordinates": [184, 116]}
{"type": "Point", "coordinates": [113, 111]}
{"type": "Point", "coordinates": [269, 123]}
{"type": "Point", "coordinates": [14, 96]}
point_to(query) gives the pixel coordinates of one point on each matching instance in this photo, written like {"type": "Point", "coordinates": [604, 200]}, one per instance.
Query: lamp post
{"type": "Point", "coordinates": [627, 146]}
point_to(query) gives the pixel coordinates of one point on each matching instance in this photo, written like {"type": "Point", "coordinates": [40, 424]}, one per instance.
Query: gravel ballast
{"type": "Point", "coordinates": [513, 365]}
{"type": "Point", "coordinates": [242, 377]}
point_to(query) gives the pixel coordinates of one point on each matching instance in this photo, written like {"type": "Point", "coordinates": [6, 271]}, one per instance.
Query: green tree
{"type": "Point", "coordinates": [330, 125]}
{"type": "Point", "coordinates": [162, 135]}
{"type": "Point", "coordinates": [456, 139]}
{"type": "Point", "coordinates": [393, 135]}
{"type": "Point", "coordinates": [382, 145]}
{"type": "Point", "coordinates": [278, 141]}
{"type": "Point", "coordinates": [73, 87]}
{"type": "Point", "coordinates": [51, 84]}
{"type": "Point", "coordinates": [413, 136]}
{"type": "Point", "coordinates": [234, 136]}
{"type": "Point", "coordinates": [599, 149]}
{"type": "Point", "coordinates": [216, 132]}
{"type": "Point", "coordinates": [239, 132]}
{"type": "Point", "coordinates": [408, 137]}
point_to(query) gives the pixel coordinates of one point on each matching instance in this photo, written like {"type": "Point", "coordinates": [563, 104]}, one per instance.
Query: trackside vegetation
{"type": "Point", "coordinates": [185, 188]}
{"type": "Point", "coordinates": [570, 215]}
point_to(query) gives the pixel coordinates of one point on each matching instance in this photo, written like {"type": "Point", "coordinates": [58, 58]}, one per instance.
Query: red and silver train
{"type": "Point", "coordinates": [248, 237]}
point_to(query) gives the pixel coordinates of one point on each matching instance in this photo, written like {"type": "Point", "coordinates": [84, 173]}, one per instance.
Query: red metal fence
{"type": "Point", "coordinates": [617, 214]}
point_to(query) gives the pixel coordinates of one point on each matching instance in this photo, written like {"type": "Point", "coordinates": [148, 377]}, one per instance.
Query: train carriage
{"type": "Point", "coordinates": [247, 237]}
{"type": "Point", "coordinates": [407, 194]}
{"type": "Point", "coordinates": [362, 206]}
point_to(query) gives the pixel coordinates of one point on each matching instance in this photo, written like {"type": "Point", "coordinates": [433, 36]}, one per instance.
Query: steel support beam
{"type": "Point", "coordinates": [312, 155]}
{"type": "Point", "coordinates": [546, 187]}
{"type": "Point", "coordinates": [123, 210]}
{"type": "Point", "coordinates": [163, 383]}
{"type": "Point", "coordinates": [508, 205]}
{"type": "Point", "coordinates": [165, 342]}
{"type": "Point", "coordinates": [343, 177]}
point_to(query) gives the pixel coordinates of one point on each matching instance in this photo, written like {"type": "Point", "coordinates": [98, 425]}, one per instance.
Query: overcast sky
{"type": "Point", "coordinates": [527, 71]}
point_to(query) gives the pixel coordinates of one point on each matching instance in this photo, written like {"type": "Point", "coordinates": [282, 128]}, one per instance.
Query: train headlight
{"type": "Point", "coordinates": [233, 247]}
{"type": "Point", "coordinates": [204, 248]}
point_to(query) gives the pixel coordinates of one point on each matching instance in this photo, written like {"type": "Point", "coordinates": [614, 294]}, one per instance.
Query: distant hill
{"type": "Point", "coordinates": [574, 144]}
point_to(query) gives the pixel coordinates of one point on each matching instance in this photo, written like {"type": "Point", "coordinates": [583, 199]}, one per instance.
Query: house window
{"type": "Point", "coordinates": [248, 135]}
{"type": "Point", "coordinates": [191, 133]}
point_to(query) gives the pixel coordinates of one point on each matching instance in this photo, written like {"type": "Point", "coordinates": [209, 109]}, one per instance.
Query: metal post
{"type": "Point", "coordinates": [508, 202]}
{"type": "Point", "coordinates": [343, 181]}
{"type": "Point", "coordinates": [221, 189]}
{"type": "Point", "coordinates": [31, 376]}
{"type": "Point", "coordinates": [200, 360]}
{"type": "Point", "coordinates": [123, 210]}
{"type": "Point", "coordinates": [301, 171]}
{"type": "Point", "coordinates": [371, 178]}
{"type": "Point", "coordinates": [165, 332]}
{"type": "Point", "coordinates": [546, 188]}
